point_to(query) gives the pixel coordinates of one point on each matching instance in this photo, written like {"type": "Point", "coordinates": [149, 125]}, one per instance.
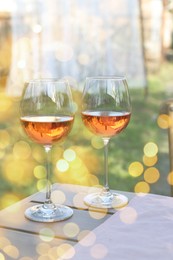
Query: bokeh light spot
{"type": "Point", "coordinates": [78, 200]}
{"type": "Point", "coordinates": [4, 242]}
{"type": "Point", "coordinates": [97, 214]}
{"type": "Point", "coordinates": [21, 64]}
{"type": "Point", "coordinates": [150, 149]}
{"type": "Point", "coordinates": [98, 251]}
{"type": "Point", "coordinates": [46, 234]}
{"type": "Point", "coordinates": [151, 175]}
{"type": "Point", "coordinates": [22, 150]}
{"type": "Point", "coordinates": [41, 184]}
{"type": "Point", "coordinates": [136, 169]}
{"type": "Point", "coordinates": [11, 251]}
{"type": "Point", "coordinates": [65, 251]}
{"type": "Point", "coordinates": [38, 153]}
{"type": "Point", "coordinates": [87, 238]}
{"type": "Point", "coordinates": [164, 121]}
{"type": "Point", "coordinates": [58, 197]}
{"type": "Point", "coordinates": [17, 171]}
{"type": "Point", "coordinates": [42, 248]}
{"type": "Point", "coordinates": [128, 215]}
{"type": "Point", "coordinates": [40, 172]}
{"type": "Point", "coordinates": [170, 178]}
{"type": "Point", "coordinates": [37, 28]}
{"type": "Point", "coordinates": [83, 59]}
{"type": "Point", "coordinates": [62, 165]}
{"type": "Point", "coordinates": [71, 229]}
{"type": "Point", "coordinates": [150, 161]}
{"type": "Point", "coordinates": [69, 155]}
{"type": "Point", "coordinates": [97, 142]}
{"type": "Point", "coordinates": [52, 252]}
{"type": "Point", "coordinates": [142, 187]}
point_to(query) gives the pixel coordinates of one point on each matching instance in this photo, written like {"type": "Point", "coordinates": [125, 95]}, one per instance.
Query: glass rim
{"type": "Point", "coordinates": [41, 80]}
{"type": "Point", "coordinates": [102, 77]}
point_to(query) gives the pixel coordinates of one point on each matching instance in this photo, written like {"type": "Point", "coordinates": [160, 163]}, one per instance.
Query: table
{"type": "Point", "coordinates": [141, 230]}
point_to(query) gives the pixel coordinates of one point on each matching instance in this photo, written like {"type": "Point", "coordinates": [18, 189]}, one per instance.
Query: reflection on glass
{"type": "Point", "coordinates": [47, 118]}
{"type": "Point", "coordinates": [106, 112]}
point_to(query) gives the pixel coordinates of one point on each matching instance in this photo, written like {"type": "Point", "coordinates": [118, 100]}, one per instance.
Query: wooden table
{"type": "Point", "coordinates": [23, 239]}
{"type": "Point", "coordinates": [141, 230]}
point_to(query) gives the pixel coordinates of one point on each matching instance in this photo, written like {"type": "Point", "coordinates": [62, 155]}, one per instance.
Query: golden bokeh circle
{"type": "Point", "coordinates": [164, 121]}
{"type": "Point", "coordinates": [98, 251]}
{"type": "Point", "coordinates": [78, 200]}
{"type": "Point", "coordinates": [65, 251]}
{"type": "Point", "coordinates": [150, 149]}
{"type": "Point", "coordinates": [58, 197]}
{"type": "Point", "coordinates": [87, 238]}
{"type": "Point", "coordinates": [71, 229]}
{"type": "Point", "coordinates": [11, 251]}
{"type": "Point", "coordinates": [170, 178]}
{"type": "Point", "coordinates": [151, 175]}
{"type": "Point", "coordinates": [97, 142]}
{"type": "Point", "coordinates": [52, 252]}
{"type": "Point", "coordinates": [128, 215]}
{"type": "Point", "coordinates": [46, 234]}
{"type": "Point", "coordinates": [142, 187]}
{"type": "Point", "coordinates": [135, 169]}
{"type": "Point", "coordinates": [40, 172]}
{"type": "Point", "coordinates": [97, 214]}
{"type": "Point", "coordinates": [41, 184]}
{"type": "Point", "coordinates": [4, 241]}
{"type": "Point", "coordinates": [42, 248]}
{"type": "Point", "coordinates": [150, 161]}
{"type": "Point", "coordinates": [22, 150]}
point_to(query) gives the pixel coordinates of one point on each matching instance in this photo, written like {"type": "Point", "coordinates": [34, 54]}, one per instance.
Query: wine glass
{"type": "Point", "coordinates": [47, 118]}
{"type": "Point", "coordinates": [106, 111]}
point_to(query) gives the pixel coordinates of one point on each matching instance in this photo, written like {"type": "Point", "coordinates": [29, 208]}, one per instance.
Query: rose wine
{"type": "Point", "coordinates": [47, 129]}
{"type": "Point", "coordinates": [105, 123]}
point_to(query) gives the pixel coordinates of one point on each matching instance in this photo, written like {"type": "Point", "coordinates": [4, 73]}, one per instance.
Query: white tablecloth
{"type": "Point", "coordinates": [143, 230]}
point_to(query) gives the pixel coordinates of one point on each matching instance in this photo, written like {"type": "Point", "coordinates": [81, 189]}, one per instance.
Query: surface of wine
{"type": "Point", "coordinates": [47, 129]}
{"type": "Point", "coordinates": [105, 123]}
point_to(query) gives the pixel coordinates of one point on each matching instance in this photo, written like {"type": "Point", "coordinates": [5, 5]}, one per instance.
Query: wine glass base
{"type": "Point", "coordinates": [40, 214]}
{"type": "Point", "coordinates": [96, 200]}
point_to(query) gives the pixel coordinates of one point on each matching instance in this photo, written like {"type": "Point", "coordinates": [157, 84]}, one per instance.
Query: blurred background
{"type": "Point", "coordinates": [76, 39]}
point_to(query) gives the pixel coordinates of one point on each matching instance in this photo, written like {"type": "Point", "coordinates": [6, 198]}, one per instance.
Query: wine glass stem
{"type": "Point", "coordinates": [106, 181]}
{"type": "Point", "coordinates": [48, 185]}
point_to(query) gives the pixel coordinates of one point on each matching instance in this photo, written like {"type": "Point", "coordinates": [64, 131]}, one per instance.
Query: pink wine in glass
{"type": "Point", "coordinates": [105, 123]}
{"type": "Point", "coordinates": [47, 129]}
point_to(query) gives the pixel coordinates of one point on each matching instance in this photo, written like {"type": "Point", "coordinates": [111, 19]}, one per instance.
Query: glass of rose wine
{"type": "Point", "coordinates": [46, 111]}
{"type": "Point", "coordinates": [106, 111]}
